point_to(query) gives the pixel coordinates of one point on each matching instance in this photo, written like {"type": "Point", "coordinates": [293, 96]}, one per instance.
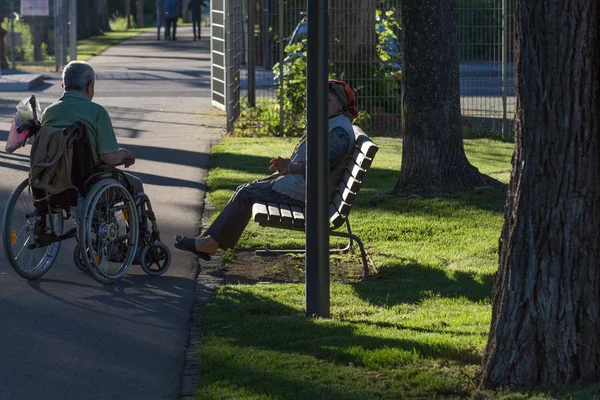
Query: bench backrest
{"type": "Point", "coordinates": [351, 182]}
{"type": "Point", "coordinates": [272, 214]}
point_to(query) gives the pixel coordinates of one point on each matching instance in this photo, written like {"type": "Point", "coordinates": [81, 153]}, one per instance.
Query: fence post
{"type": "Point", "coordinates": [505, 126]}
{"type": "Point", "coordinates": [281, 61]}
{"type": "Point", "coordinates": [73, 30]}
{"type": "Point", "coordinates": [251, 54]}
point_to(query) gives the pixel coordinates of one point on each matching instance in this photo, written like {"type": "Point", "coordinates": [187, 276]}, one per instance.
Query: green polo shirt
{"type": "Point", "coordinates": [75, 106]}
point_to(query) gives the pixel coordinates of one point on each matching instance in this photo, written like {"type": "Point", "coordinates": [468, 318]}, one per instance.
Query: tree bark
{"type": "Point", "coordinates": [546, 300]}
{"type": "Point", "coordinates": [433, 156]}
{"type": "Point", "coordinates": [352, 37]}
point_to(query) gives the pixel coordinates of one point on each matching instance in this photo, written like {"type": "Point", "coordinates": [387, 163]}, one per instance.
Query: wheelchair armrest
{"type": "Point", "coordinates": [111, 167]}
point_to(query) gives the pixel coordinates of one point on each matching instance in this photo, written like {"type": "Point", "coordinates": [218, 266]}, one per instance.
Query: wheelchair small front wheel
{"type": "Point", "coordinates": [155, 259]}
{"type": "Point", "coordinates": [78, 259]}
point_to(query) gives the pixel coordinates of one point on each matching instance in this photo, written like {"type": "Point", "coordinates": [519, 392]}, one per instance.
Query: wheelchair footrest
{"type": "Point", "coordinates": [67, 235]}
{"type": "Point", "coordinates": [43, 240]}
{"type": "Point", "coordinates": [46, 239]}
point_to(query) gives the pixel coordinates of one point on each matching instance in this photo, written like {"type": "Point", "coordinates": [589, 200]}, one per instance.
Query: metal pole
{"type": "Point", "coordinates": [73, 29]}
{"type": "Point", "coordinates": [251, 54]}
{"type": "Point", "coordinates": [281, 62]}
{"type": "Point", "coordinates": [505, 127]}
{"type": "Point", "coordinates": [56, 36]}
{"type": "Point", "coordinates": [317, 157]}
{"type": "Point", "coordinates": [12, 34]}
{"type": "Point", "coordinates": [265, 32]}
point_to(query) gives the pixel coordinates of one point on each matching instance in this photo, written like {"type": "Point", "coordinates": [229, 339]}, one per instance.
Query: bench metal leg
{"type": "Point", "coordinates": [363, 253]}
{"type": "Point", "coordinates": [349, 235]}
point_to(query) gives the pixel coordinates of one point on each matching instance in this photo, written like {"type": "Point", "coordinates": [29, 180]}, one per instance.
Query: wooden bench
{"type": "Point", "coordinates": [281, 216]}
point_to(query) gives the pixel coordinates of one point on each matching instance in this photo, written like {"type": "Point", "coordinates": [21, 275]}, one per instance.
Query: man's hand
{"type": "Point", "coordinates": [280, 164]}
{"type": "Point", "coordinates": [128, 157]}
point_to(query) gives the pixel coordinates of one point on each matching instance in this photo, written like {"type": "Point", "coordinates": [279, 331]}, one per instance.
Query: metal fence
{"type": "Point", "coordinates": [364, 50]}
{"type": "Point", "coordinates": [38, 33]}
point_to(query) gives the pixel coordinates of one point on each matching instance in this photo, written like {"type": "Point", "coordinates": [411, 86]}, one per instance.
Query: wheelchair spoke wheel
{"type": "Point", "coordinates": [109, 230]}
{"type": "Point", "coordinates": [21, 226]}
{"type": "Point", "coordinates": [79, 259]}
{"type": "Point", "coordinates": [155, 259]}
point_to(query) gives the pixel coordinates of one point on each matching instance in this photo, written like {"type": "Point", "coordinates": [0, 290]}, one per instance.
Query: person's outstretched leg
{"type": "Point", "coordinates": [229, 225]}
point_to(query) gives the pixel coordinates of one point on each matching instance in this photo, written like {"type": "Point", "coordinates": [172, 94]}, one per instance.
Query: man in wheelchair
{"type": "Point", "coordinates": [73, 167]}
{"type": "Point", "coordinates": [75, 105]}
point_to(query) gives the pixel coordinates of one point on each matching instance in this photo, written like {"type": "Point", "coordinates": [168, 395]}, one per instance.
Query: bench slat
{"type": "Point", "coordinates": [357, 172]}
{"type": "Point", "coordinates": [366, 146]}
{"type": "Point", "coordinates": [340, 206]}
{"type": "Point", "coordinates": [298, 214]}
{"type": "Point", "coordinates": [274, 215]}
{"type": "Point", "coordinates": [361, 160]}
{"type": "Point", "coordinates": [347, 195]}
{"type": "Point", "coordinates": [260, 213]}
{"type": "Point", "coordinates": [335, 218]}
{"type": "Point", "coordinates": [351, 183]}
{"type": "Point", "coordinates": [286, 215]}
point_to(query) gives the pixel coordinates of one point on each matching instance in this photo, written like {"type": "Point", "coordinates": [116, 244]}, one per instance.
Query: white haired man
{"type": "Point", "coordinates": [75, 105]}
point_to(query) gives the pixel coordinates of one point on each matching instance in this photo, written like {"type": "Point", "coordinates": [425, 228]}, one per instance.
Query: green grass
{"type": "Point", "coordinates": [416, 329]}
{"type": "Point", "coordinates": [88, 48]}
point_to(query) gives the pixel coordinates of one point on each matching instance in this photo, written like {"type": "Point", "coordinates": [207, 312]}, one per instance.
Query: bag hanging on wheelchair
{"type": "Point", "coordinates": [25, 119]}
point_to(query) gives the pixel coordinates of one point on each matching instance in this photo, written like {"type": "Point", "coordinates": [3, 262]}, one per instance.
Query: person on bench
{"type": "Point", "coordinates": [75, 105]}
{"type": "Point", "coordinates": [287, 185]}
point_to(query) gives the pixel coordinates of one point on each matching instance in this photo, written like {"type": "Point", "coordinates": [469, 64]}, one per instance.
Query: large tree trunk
{"type": "Point", "coordinates": [352, 37]}
{"type": "Point", "coordinates": [433, 157]}
{"type": "Point", "coordinates": [546, 301]}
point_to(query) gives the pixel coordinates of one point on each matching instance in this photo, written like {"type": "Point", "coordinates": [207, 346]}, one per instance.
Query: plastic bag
{"type": "Point", "coordinates": [25, 113]}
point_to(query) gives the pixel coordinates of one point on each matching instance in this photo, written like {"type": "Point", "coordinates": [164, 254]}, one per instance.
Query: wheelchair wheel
{"type": "Point", "coordinates": [78, 258]}
{"type": "Point", "coordinates": [19, 224]}
{"type": "Point", "coordinates": [109, 230]}
{"type": "Point", "coordinates": [155, 259]}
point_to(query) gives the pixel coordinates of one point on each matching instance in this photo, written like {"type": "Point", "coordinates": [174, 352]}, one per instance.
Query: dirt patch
{"type": "Point", "coordinates": [248, 268]}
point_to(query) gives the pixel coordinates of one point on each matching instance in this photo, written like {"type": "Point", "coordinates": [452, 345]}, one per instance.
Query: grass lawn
{"type": "Point", "coordinates": [88, 48]}
{"type": "Point", "coordinates": [415, 329]}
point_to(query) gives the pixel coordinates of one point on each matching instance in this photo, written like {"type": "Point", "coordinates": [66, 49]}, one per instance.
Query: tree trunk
{"type": "Point", "coordinates": [140, 13]}
{"type": "Point", "coordinates": [546, 301]}
{"type": "Point", "coordinates": [352, 37]}
{"type": "Point", "coordinates": [128, 13]}
{"type": "Point", "coordinates": [433, 156]}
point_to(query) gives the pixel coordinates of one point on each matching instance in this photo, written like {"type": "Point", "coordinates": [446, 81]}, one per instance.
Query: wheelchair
{"type": "Point", "coordinates": [114, 226]}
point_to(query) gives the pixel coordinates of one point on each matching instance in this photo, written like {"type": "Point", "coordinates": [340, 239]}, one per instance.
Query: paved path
{"type": "Point", "coordinates": [65, 336]}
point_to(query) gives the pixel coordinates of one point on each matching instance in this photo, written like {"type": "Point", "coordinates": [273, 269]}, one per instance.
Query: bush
{"type": "Point", "coordinates": [118, 23]}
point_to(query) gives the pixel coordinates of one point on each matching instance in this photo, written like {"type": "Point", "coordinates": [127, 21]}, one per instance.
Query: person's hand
{"type": "Point", "coordinates": [280, 164]}
{"type": "Point", "coordinates": [128, 158]}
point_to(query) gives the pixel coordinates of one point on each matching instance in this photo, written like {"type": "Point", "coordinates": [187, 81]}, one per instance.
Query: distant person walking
{"type": "Point", "coordinates": [171, 13]}
{"type": "Point", "coordinates": [206, 13]}
{"type": "Point", "coordinates": [160, 18]}
{"type": "Point", "coordinates": [195, 7]}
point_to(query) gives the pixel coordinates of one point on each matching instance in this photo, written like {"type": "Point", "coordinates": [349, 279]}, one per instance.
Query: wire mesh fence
{"type": "Point", "coordinates": [365, 51]}
{"type": "Point", "coordinates": [486, 33]}
{"type": "Point", "coordinates": [36, 33]}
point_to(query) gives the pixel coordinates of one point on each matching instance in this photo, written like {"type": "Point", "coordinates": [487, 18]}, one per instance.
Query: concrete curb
{"type": "Point", "coordinates": [205, 287]}
{"type": "Point", "coordinates": [19, 82]}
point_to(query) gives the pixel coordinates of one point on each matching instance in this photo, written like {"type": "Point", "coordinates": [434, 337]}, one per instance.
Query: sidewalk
{"type": "Point", "coordinates": [70, 338]}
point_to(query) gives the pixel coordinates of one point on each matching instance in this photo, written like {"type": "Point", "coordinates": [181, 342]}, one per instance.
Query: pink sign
{"type": "Point", "coordinates": [35, 7]}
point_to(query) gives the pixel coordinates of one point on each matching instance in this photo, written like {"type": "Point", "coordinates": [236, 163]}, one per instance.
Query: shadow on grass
{"type": "Point", "coordinates": [270, 348]}
{"type": "Point", "coordinates": [409, 282]}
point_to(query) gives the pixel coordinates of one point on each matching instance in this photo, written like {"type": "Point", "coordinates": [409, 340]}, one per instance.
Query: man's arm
{"type": "Point", "coordinates": [117, 157]}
